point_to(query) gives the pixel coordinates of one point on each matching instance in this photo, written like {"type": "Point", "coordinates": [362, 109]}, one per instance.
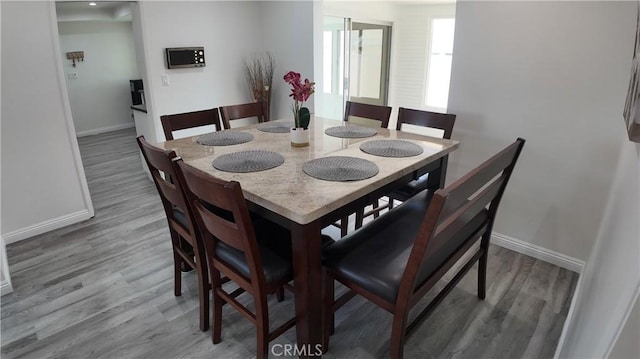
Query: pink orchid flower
{"type": "Point", "coordinates": [300, 92]}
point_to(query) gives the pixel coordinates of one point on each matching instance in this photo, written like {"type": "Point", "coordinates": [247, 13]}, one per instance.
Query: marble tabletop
{"type": "Point", "coordinates": [287, 190]}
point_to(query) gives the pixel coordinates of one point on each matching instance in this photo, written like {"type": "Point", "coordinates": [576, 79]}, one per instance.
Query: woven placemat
{"type": "Point", "coordinates": [351, 131]}
{"type": "Point", "coordinates": [275, 127]}
{"type": "Point", "coordinates": [340, 168]}
{"type": "Point", "coordinates": [391, 148]}
{"type": "Point", "coordinates": [248, 161]}
{"type": "Point", "coordinates": [224, 138]}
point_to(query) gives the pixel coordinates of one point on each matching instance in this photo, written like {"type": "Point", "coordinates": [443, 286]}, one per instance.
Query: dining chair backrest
{"type": "Point", "coordinates": [237, 112]}
{"type": "Point", "coordinates": [421, 181]}
{"type": "Point", "coordinates": [441, 121]}
{"type": "Point", "coordinates": [181, 121]}
{"type": "Point", "coordinates": [159, 163]}
{"type": "Point", "coordinates": [354, 112]}
{"type": "Point", "coordinates": [465, 209]}
{"type": "Point", "coordinates": [222, 215]}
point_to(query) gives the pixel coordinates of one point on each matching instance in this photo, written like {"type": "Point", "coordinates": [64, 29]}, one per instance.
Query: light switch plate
{"type": "Point", "coordinates": [72, 75]}
{"type": "Point", "coordinates": [165, 79]}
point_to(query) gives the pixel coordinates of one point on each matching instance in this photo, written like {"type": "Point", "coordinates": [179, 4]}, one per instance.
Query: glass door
{"type": "Point", "coordinates": [355, 65]}
{"type": "Point", "coordinates": [335, 60]}
{"type": "Point", "coordinates": [369, 63]}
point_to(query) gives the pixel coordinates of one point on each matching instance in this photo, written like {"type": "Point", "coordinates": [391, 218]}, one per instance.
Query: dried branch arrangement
{"type": "Point", "coordinates": [259, 71]}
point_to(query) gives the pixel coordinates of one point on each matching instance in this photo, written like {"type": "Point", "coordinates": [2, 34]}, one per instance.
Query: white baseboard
{"type": "Point", "coordinates": [5, 285]}
{"type": "Point", "coordinates": [97, 131]}
{"type": "Point", "coordinates": [46, 226]}
{"type": "Point", "coordinates": [543, 254]}
{"type": "Point", "coordinates": [5, 288]}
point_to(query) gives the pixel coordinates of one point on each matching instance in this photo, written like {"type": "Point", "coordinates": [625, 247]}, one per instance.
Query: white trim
{"type": "Point", "coordinates": [538, 252]}
{"type": "Point", "coordinates": [5, 285]}
{"type": "Point", "coordinates": [71, 131]}
{"type": "Point", "coordinates": [5, 288]}
{"type": "Point", "coordinates": [567, 322]}
{"type": "Point", "coordinates": [155, 132]}
{"type": "Point", "coordinates": [46, 226]}
{"type": "Point", "coordinates": [97, 131]}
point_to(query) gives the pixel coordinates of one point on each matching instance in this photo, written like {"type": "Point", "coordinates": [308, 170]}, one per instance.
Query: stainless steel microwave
{"type": "Point", "coordinates": [181, 57]}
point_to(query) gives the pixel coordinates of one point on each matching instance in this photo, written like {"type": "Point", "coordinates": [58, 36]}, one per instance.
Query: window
{"type": "Point", "coordinates": [333, 44]}
{"type": "Point", "coordinates": [327, 52]}
{"type": "Point", "coordinates": [440, 55]}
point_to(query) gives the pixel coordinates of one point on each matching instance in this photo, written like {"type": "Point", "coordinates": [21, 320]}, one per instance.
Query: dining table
{"type": "Point", "coordinates": [287, 195]}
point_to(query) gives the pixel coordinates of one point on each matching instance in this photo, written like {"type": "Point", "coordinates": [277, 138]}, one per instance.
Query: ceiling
{"type": "Point", "coordinates": [121, 10]}
{"type": "Point", "coordinates": [102, 11]}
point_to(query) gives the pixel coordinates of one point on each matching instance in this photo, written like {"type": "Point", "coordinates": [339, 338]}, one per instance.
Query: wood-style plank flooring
{"type": "Point", "coordinates": [103, 289]}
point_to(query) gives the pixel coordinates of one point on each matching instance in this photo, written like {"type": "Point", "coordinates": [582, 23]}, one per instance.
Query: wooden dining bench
{"type": "Point", "coordinates": [395, 260]}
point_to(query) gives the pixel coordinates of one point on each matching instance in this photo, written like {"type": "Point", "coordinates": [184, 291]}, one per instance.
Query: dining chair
{"type": "Point", "coordinates": [257, 257]}
{"type": "Point", "coordinates": [396, 260]}
{"type": "Point", "coordinates": [435, 120]}
{"type": "Point", "coordinates": [369, 116]}
{"type": "Point", "coordinates": [181, 121]}
{"type": "Point", "coordinates": [188, 249]}
{"type": "Point", "coordinates": [237, 112]}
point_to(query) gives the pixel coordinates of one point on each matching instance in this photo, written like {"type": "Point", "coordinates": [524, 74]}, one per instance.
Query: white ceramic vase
{"type": "Point", "coordinates": [299, 137]}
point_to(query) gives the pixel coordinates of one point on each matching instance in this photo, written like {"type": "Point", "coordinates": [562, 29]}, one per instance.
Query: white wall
{"type": "Point", "coordinates": [100, 96]}
{"type": "Point", "coordinates": [43, 185]}
{"type": "Point", "coordinates": [627, 346]}
{"type": "Point", "coordinates": [611, 280]}
{"type": "Point", "coordinates": [5, 278]}
{"type": "Point", "coordinates": [144, 126]}
{"type": "Point", "coordinates": [229, 32]}
{"type": "Point", "coordinates": [555, 73]}
{"type": "Point", "coordinates": [293, 50]}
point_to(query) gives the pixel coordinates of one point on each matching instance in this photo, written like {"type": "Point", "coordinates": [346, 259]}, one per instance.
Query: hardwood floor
{"type": "Point", "coordinates": [103, 289]}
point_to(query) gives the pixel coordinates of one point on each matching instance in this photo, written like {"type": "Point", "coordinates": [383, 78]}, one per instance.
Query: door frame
{"type": "Point", "coordinates": [385, 65]}
{"type": "Point", "coordinates": [71, 129]}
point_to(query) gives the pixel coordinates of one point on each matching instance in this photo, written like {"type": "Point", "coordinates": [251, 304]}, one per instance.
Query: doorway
{"type": "Point", "coordinates": [98, 59]}
{"type": "Point", "coordinates": [356, 60]}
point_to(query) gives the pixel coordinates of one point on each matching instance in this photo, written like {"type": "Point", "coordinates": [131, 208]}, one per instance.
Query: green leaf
{"type": "Point", "coordinates": [305, 117]}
